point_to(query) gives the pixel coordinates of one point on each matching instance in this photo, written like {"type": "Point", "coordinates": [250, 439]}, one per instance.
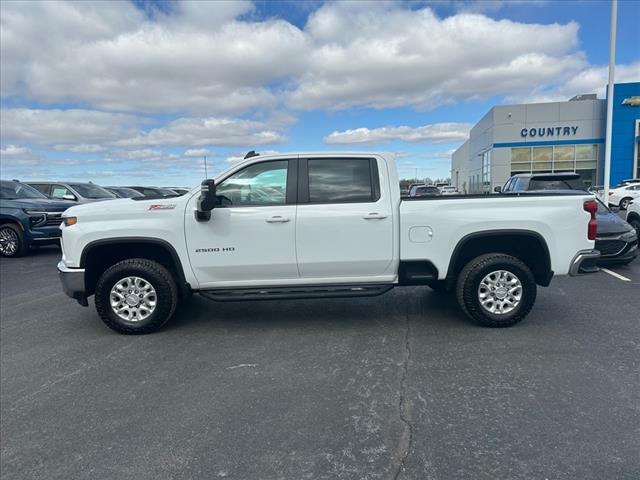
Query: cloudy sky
{"type": "Point", "coordinates": [138, 92]}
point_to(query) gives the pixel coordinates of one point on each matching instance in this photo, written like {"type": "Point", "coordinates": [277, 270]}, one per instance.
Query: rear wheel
{"type": "Point", "coordinates": [12, 242]}
{"type": "Point", "coordinates": [624, 203]}
{"type": "Point", "coordinates": [496, 290]}
{"type": "Point", "coordinates": [136, 296]}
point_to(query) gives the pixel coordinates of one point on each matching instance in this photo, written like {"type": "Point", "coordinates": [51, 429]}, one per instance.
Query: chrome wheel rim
{"type": "Point", "coordinates": [133, 299]}
{"type": "Point", "coordinates": [8, 241]}
{"type": "Point", "coordinates": [500, 292]}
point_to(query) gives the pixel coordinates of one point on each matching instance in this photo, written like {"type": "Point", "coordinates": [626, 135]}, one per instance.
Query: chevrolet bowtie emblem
{"type": "Point", "coordinates": [632, 101]}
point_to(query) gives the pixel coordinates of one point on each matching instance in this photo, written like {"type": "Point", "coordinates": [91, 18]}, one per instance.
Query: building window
{"type": "Point", "coordinates": [521, 159]}
{"type": "Point", "coordinates": [582, 159]}
{"type": "Point", "coordinates": [486, 171]}
{"type": "Point", "coordinates": [542, 158]}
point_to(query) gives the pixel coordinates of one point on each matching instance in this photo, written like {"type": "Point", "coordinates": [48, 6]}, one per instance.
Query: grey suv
{"type": "Point", "coordinates": [76, 191]}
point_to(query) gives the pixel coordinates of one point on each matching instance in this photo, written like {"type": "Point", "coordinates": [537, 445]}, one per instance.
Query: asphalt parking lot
{"type": "Point", "coordinates": [399, 386]}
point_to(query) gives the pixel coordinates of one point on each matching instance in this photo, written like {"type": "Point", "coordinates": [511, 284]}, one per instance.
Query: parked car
{"type": "Point", "coordinates": [448, 190]}
{"type": "Point", "coordinates": [324, 225]}
{"type": "Point", "coordinates": [529, 182]}
{"type": "Point", "coordinates": [616, 239]}
{"type": "Point", "coordinates": [124, 192]}
{"type": "Point", "coordinates": [27, 218]}
{"type": "Point", "coordinates": [179, 190]}
{"type": "Point", "coordinates": [75, 192]}
{"type": "Point", "coordinates": [628, 181]}
{"type": "Point", "coordinates": [633, 216]}
{"type": "Point", "coordinates": [424, 191]}
{"type": "Point", "coordinates": [621, 196]}
{"type": "Point", "coordinates": [155, 192]}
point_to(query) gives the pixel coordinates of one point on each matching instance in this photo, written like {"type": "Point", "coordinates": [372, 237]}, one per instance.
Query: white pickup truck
{"type": "Point", "coordinates": [316, 226]}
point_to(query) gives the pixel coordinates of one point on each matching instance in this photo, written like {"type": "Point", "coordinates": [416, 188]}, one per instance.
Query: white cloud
{"type": "Point", "coordinates": [589, 80]}
{"type": "Point", "coordinates": [196, 152]}
{"type": "Point", "coordinates": [13, 150]}
{"type": "Point", "coordinates": [203, 59]}
{"type": "Point", "coordinates": [143, 154]}
{"type": "Point", "coordinates": [88, 131]}
{"type": "Point", "coordinates": [206, 131]}
{"type": "Point", "coordinates": [65, 127]}
{"type": "Point", "coordinates": [80, 148]}
{"type": "Point", "coordinates": [198, 59]}
{"type": "Point", "coordinates": [382, 55]}
{"type": "Point", "coordinates": [435, 133]}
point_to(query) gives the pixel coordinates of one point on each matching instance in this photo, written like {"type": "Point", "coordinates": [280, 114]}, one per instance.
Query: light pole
{"type": "Point", "coordinates": [612, 62]}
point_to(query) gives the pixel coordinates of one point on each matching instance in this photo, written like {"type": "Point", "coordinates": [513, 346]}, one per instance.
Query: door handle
{"type": "Point", "coordinates": [277, 219]}
{"type": "Point", "coordinates": [374, 216]}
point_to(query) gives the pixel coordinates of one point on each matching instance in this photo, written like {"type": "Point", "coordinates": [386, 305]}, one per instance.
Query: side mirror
{"type": "Point", "coordinates": [207, 200]}
{"type": "Point", "coordinates": [68, 196]}
{"type": "Point", "coordinates": [497, 189]}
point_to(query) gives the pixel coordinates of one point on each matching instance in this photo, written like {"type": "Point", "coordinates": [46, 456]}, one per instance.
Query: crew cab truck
{"type": "Point", "coordinates": [315, 226]}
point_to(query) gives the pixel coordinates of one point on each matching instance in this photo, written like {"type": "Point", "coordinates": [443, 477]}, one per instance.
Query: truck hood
{"type": "Point", "coordinates": [42, 204]}
{"type": "Point", "coordinates": [127, 207]}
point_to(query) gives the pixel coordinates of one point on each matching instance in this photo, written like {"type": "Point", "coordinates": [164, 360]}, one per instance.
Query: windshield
{"type": "Point", "coordinates": [15, 190]}
{"type": "Point", "coordinates": [167, 192]}
{"type": "Point", "coordinates": [88, 190]}
{"type": "Point", "coordinates": [125, 192]}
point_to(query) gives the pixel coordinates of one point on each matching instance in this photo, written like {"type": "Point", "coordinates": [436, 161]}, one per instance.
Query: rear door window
{"type": "Point", "coordinates": [342, 180]}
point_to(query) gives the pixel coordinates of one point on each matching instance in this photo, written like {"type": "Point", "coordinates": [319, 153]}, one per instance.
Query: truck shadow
{"type": "Point", "coordinates": [419, 303]}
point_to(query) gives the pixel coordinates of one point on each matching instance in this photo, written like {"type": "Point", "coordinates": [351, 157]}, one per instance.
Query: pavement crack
{"type": "Point", "coordinates": [406, 437]}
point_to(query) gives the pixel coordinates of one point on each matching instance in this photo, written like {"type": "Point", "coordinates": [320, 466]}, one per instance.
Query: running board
{"type": "Point", "coordinates": [281, 293]}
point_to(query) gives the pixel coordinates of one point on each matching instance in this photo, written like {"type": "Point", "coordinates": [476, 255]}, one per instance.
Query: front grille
{"type": "Point", "coordinates": [53, 219]}
{"type": "Point", "coordinates": [45, 219]}
{"type": "Point", "coordinates": [610, 247]}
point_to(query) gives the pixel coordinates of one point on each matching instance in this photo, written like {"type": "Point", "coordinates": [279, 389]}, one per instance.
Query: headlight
{"type": "Point", "coordinates": [68, 221]}
{"type": "Point", "coordinates": [36, 217]}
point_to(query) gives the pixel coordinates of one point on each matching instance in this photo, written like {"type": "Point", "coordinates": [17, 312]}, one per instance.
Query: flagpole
{"type": "Point", "coordinates": [612, 62]}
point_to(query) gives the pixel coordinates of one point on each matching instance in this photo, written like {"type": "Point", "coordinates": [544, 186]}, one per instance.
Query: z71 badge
{"type": "Point", "coordinates": [162, 206]}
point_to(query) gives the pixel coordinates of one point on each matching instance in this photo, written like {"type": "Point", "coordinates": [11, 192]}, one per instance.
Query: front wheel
{"type": "Point", "coordinates": [496, 290]}
{"type": "Point", "coordinates": [136, 296]}
{"type": "Point", "coordinates": [12, 242]}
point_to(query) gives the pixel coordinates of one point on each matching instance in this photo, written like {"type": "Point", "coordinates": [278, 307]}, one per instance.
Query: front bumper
{"type": "Point", "coordinates": [618, 248]}
{"type": "Point", "coordinates": [72, 280]}
{"type": "Point", "coordinates": [584, 262]}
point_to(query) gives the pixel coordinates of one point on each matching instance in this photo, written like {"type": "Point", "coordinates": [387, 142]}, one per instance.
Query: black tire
{"type": "Point", "coordinates": [154, 274]}
{"type": "Point", "coordinates": [472, 275]}
{"type": "Point", "coordinates": [12, 241]}
{"type": "Point", "coordinates": [624, 203]}
{"type": "Point", "coordinates": [635, 223]}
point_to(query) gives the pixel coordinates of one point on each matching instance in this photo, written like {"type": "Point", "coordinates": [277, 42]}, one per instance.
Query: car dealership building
{"type": "Point", "coordinates": [551, 137]}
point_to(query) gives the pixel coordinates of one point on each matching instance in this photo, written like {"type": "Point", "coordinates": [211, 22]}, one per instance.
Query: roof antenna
{"type": "Point", "coordinates": [251, 154]}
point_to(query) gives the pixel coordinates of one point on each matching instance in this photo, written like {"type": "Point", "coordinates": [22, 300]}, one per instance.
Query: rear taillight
{"type": "Point", "coordinates": [592, 228]}
{"type": "Point", "coordinates": [610, 193]}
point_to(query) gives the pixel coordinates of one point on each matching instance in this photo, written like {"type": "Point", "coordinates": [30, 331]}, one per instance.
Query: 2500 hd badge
{"type": "Point", "coordinates": [215, 249]}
